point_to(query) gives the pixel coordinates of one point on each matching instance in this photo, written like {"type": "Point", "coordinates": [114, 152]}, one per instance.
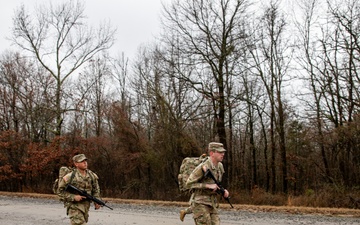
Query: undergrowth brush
{"type": "Point", "coordinates": [325, 197]}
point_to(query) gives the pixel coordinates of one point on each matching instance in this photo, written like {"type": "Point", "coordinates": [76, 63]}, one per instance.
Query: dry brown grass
{"type": "Point", "coordinates": [344, 212]}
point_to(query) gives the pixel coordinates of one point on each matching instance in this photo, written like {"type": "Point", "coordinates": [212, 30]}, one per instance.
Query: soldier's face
{"type": "Point", "coordinates": [82, 165]}
{"type": "Point", "coordinates": [219, 156]}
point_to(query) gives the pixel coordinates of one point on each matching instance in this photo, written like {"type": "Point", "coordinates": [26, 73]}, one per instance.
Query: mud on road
{"type": "Point", "coordinates": [37, 210]}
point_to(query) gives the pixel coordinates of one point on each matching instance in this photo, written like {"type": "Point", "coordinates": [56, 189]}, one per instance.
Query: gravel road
{"type": "Point", "coordinates": [38, 211]}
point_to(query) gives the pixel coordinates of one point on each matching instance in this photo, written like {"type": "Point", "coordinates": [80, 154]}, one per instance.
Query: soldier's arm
{"type": "Point", "coordinates": [96, 188]}
{"type": "Point", "coordinates": [193, 182]}
{"type": "Point", "coordinates": [64, 194]}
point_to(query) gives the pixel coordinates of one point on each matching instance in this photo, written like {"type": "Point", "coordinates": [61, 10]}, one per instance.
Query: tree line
{"type": "Point", "coordinates": [279, 88]}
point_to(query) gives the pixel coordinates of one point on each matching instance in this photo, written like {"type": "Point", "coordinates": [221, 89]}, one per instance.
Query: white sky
{"type": "Point", "coordinates": [136, 21]}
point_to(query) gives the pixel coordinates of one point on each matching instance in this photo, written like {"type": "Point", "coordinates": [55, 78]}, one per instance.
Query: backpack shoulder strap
{"type": "Point", "coordinates": [93, 176]}
{"type": "Point", "coordinates": [72, 176]}
{"type": "Point", "coordinates": [94, 179]}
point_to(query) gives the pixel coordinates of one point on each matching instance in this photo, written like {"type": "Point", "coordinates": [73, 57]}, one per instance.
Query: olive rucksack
{"type": "Point", "coordinates": [187, 166]}
{"type": "Point", "coordinates": [62, 172]}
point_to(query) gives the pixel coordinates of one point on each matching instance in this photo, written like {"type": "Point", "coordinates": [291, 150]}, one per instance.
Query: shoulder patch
{"type": "Point", "coordinates": [67, 177]}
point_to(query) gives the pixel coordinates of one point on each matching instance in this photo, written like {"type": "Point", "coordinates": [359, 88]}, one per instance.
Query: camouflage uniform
{"type": "Point", "coordinates": [204, 201]}
{"type": "Point", "coordinates": [79, 211]}
{"type": "Point", "coordinates": [187, 166]}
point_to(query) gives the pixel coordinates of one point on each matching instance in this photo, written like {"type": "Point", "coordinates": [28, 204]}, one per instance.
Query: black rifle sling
{"type": "Point", "coordinates": [92, 180]}
{"type": "Point", "coordinates": [72, 176]}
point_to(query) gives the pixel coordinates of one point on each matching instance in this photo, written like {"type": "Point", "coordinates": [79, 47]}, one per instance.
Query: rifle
{"type": "Point", "coordinates": [221, 189]}
{"type": "Point", "coordinates": [72, 188]}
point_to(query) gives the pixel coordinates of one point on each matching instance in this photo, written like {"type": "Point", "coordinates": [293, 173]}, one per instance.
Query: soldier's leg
{"type": "Point", "coordinates": [77, 217]}
{"type": "Point", "coordinates": [188, 210]}
{"type": "Point", "coordinates": [201, 214]}
{"type": "Point", "coordinates": [183, 212]}
{"type": "Point", "coordinates": [215, 219]}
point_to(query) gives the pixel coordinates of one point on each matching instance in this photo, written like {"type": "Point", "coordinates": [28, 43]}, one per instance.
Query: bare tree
{"type": "Point", "coordinates": [307, 42]}
{"type": "Point", "coordinates": [94, 89]}
{"type": "Point", "coordinates": [26, 96]}
{"type": "Point", "coordinates": [346, 20]}
{"type": "Point", "coordinates": [58, 37]}
{"type": "Point", "coordinates": [209, 37]}
{"type": "Point", "coordinates": [120, 74]}
{"type": "Point", "coordinates": [340, 81]}
{"type": "Point", "coordinates": [271, 63]}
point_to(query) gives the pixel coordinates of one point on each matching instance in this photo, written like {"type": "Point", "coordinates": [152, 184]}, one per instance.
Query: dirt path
{"type": "Point", "coordinates": [15, 210]}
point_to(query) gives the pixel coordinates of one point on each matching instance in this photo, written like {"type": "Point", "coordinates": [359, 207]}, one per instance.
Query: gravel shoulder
{"type": "Point", "coordinates": [39, 209]}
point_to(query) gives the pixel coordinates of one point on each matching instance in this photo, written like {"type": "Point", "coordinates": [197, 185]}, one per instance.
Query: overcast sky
{"type": "Point", "coordinates": [137, 21]}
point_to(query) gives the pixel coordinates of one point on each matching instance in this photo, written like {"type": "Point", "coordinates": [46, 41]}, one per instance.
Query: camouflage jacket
{"type": "Point", "coordinates": [197, 182]}
{"type": "Point", "coordinates": [88, 183]}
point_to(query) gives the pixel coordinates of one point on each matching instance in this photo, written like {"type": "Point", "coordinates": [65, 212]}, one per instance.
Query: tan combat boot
{"type": "Point", "coordinates": [182, 215]}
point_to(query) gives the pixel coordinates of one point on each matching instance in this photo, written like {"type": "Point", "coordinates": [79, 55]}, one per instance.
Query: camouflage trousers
{"type": "Point", "coordinates": [78, 215]}
{"type": "Point", "coordinates": [205, 215]}
{"type": "Point", "coordinates": [189, 210]}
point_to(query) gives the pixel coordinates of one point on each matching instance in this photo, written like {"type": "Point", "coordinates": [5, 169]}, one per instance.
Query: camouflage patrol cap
{"type": "Point", "coordinates": [216, 146]}
{"type": "Point", "coordinates": [79, 158]}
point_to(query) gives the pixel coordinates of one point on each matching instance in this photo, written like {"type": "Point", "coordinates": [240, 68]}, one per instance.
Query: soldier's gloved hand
{"type": "Point", "coordinates": [97, 206]}
{"type": "Point", "coordinates": [226, 194]}
{"type": "Point", "coordinates": [78, 198]}
{"type": "Point", "coordinates": [214, 187]}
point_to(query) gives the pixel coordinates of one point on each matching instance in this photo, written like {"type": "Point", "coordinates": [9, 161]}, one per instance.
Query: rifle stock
{"type": "Point", "coordinates": [221, 189]}
{"type": "Point", "coordinates": [72, 188]}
